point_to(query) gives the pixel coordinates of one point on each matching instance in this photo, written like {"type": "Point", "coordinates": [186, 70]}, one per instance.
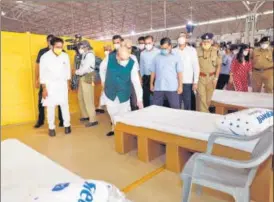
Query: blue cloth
{"type": "Point", "coordinates": [226, 64]}
{"type": "Point", "coordinates": [146, 60]}
{"type": "Point", "coordinates": [118, 79]}
{"type": "Point", "coordinates": [166, 69]}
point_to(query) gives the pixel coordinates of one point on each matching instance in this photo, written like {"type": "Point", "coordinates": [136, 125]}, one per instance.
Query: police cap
{"type": "Point", "coordinates": [265, 39]}
{"type": "Point", "coordinates": [207, 36]}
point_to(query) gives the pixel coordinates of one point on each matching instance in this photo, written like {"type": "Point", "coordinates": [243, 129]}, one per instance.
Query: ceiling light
{"type": "Point", "coordinates": [132, 32]}
{"type": "Point", "coordinates": [248, 2]}
{"type": "Point", "coordinates": [3, 13]}
{"type": "Point", "coordinates": [189, 23]}
{"type": "Point", "coordinates": [19, 2]}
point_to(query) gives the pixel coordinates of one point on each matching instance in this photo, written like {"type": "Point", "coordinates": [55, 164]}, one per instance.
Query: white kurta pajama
{"type": "Point", "coordinates": [54, 74]}
{"type": "Point", "coordinates": [115, 108]}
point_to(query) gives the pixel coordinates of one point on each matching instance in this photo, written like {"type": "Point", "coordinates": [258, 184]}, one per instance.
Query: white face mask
{"type": "Point", "coordinates": [81, 51]}
{"type": "Point", "coordinates": [149, 46]}
{"type": "Point", "coordinates": [123, 62]}
{"type": "Point", "coordinates": [106, 52]}
{"type": "Point", "coordinates": [235, 52]}
{"type": "Point", "coordinates": [222, 52]}
{"type": "Point", "coordinates": [182, 40]}
{"type": "Point", "coordinates": [116, 46]}
{"type": "Point", "coordinates": [245, 53]}
{"type": "Point", "coordinates": [141, 46]}
{"type": "Point", "coordinates": [264, 46]}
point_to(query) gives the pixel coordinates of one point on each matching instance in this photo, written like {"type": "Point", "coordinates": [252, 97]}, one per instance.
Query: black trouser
{"type": "Point", "coordinates": [146, 90]}
{"type": "Point", "coordinates": [41, 116]}
{"type": "Point", "coordinates": [133, 99]}
{"type": "Point", "coordinates": [222, 81]}
{"type": "Point", "coordinates": [186, 96]}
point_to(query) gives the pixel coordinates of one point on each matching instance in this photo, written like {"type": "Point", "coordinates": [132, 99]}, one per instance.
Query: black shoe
{"type": "Point", "coordinates": [52, 133]}
{"type": "Point", "coordinates": [61, 124]}
{"type": "Point", "coordinates": [111, 133]}
{"type": "Point", "coordinates": [84, 119]}
{"type": "Point", "coordinates": [90, 124]}
{"type": "Point", "coordinates": [100, 111]}
{"type": "Point", "coordinates": [67, 130]}
{"type": "Point", "coordinates": [38, 125]}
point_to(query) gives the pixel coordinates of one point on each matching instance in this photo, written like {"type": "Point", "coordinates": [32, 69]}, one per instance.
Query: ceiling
{"type": "Point", "coordinates": [100, 18]}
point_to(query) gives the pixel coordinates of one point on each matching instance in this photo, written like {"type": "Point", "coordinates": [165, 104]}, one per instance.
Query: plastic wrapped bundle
{"type": "Point", "coordinates": [86, 191]}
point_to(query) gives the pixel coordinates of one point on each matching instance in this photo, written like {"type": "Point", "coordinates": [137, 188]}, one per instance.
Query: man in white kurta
{"type": "Point", "coordinates": [55, 76]}
{"type": "Point", "coordinates": [117, 72]}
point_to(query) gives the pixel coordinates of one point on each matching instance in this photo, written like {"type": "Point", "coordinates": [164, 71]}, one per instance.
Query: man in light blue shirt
{"type": "Point", "coordinates": [146, 60]}
{"type": "Point", "coordinates": [167, 73]}
{"type": "Point", "coordinates": [226, 65]}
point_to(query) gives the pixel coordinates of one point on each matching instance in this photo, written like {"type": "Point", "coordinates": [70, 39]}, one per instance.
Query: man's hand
{"type": "Point", "coordinates": [140, 105]}
{"type": "Point", "coordinates": [73, 71]}
{"type": "Point", "coordinates": [44, 93]}
{"type": "Point", "coordinates": [151, 88]}
{"type": "Point", "coordinates": [37, 83]}
{"type": "Point", "coordinates": [195, 87]}
{"type": "Point", "coordinates": [230, 80]}
{"type": "Point", "coordinates": [180, 90]}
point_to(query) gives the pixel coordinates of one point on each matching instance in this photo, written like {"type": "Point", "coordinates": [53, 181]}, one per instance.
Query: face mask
{"type": "Point", "coordinates": [164, 52]}
{"type": "Point", "coordinates": [264, 46]}
{"type": "Point", "coordinates": [116, 46]}
{"type": "Point", "coordinates": [245, 53]}
{"type": "Point", "coordinates": [141, 46]}
{"type": "Point", "coordinates": [206, 46]}
{"type": "Point", "coordinates": [182, 40]}
{"type": "Point", "coordinates": [222, 52]}
{"type": "Point", "coordinates": [57, 51]}
{"type": "Point", "coordinates": [81, 51]}
{"type": "Point", "coordinates": [149, 46]}
{"type": "Point", "coordinates": [106, 52]}
{"type": "Point", "coordinates": [235, 52]}
{"type": "Point", "coordinates": [123, 62]}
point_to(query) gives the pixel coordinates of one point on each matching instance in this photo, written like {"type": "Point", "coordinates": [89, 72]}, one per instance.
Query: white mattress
{"type": "Point", "coordinates": [23, 169]}
{"type": "Point", "coordinates": [244, 99]}
{"type": "Point", "coordinates": [196, 125]}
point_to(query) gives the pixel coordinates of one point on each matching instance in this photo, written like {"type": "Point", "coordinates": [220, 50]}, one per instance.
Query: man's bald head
{"type": "Point", "coordinates": [123, 53]}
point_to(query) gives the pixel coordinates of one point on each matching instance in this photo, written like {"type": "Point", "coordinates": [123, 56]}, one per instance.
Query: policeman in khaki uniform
{"type": "Point", "coordinates": [210, 64]}
{"type": "Point", "coordinates": [262, 74]}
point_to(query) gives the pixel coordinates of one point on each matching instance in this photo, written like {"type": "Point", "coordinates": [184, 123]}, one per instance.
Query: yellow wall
{"type": "Point", "coordinates": [19, 98]}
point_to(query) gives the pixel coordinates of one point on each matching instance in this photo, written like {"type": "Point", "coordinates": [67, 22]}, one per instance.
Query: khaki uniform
{"type": "Point", "coordinates": [262, 70]}
{"type": "Point", "coordinates": [209, 61]}
{"type": "Point", "coordinates": [86, 97]}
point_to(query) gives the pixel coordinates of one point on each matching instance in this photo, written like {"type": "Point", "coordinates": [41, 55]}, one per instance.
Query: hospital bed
{"type": "Point", "coordinates": [224, 100]}
{"type": "Point", "coordinates": [183, 133]}
{"type": "Point", "coordinates": [23, 170]}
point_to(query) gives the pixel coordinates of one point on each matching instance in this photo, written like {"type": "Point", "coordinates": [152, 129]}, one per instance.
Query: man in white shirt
{"type": "Point", "coordinates": [55, 80]}
{"type": "Point", "coordinates": [117, 72]}
{"type": "Point", "coordinates": [191, 70]}
{"type": "Point", "coordinates": [86, 84]}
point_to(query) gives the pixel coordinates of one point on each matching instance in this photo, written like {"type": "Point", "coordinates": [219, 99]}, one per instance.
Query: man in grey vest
{"type": "Point", "coordinates": [117, 72]}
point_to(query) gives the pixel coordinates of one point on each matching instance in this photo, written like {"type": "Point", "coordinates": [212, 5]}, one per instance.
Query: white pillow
{"type": "Point", "coordinates": [86, 191]}
{"type": "Point", "coordinates": [246, 122]}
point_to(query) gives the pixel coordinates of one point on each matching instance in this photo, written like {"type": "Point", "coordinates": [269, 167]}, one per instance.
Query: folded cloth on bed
{"type": "Point", "coordinates": [246, 122]}
{"type": "Point", "coordinates": [85, 191]}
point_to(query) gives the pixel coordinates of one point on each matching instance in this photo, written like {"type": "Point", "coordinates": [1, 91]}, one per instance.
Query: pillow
{"type": "Point", "coordinates": [246, 122]}
{"type": "Point", "coordinates": [86, 191]}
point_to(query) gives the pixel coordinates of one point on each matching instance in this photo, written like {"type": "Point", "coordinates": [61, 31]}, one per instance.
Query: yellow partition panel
{"type": "Point", "coordinates": [17, 100]}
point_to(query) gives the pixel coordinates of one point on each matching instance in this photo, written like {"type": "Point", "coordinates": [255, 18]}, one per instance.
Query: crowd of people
{"type": "Point", "coordinates": [181, 77]}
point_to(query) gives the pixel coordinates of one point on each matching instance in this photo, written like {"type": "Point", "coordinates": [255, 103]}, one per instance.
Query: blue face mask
{"type": "Point", "coordinates": [164, 51]}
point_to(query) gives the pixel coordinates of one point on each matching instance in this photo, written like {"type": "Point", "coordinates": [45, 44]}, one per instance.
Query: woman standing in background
{"type": "Point", "coordinates": [241, 68]}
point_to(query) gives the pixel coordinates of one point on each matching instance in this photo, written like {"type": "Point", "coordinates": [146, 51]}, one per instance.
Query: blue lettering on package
{"type": "Point", "coordinates": [86, 194]}
{"type": "Point", "coordinates": [265, 116]}
{"type": "Point", "coordinates": [60, 187]}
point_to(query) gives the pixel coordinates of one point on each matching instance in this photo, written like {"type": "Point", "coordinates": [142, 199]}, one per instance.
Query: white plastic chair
{"type": "Point", "coordinates": [229, 176]}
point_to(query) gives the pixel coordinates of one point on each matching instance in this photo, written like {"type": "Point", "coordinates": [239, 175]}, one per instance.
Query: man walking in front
{"type": "Point", "coordinates": [117, 72]}
{"type": "Point", "coordinates": [55, 80]}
